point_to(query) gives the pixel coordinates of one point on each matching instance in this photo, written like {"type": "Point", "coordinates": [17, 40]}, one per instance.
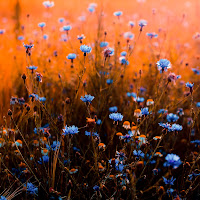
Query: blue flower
{"type": "Point", "coordinates": [31, 189]}
{"type": "Point", "coordinates": [189, 85]}
{"type": "Point", "coordinates": [123, 60]}
{"type": "Point", "coordinates": [87, 98]}
{"type": "Point", "coordinates": [123, 53]}
{"type": "Point", "coordinates": [67, 28]}
{"type": "Point", "coordinates": [116, 116]}
{"type": "Point", "coordinates": [177, 127]}
{"type": "Point", "coordinates": [128, 35]}
{"type": "Point", "coordinates": [48, 4]}
{"type": "Point", "coordinates": [152, 35]}
{"type": "Point", "coordinates": [45, 36]}
{"type": "Point", "coordinates": [34, 96]}
{"type": "Point", "coordinates": [198, 104]}
{"type": "Point", "coordinates": [169, 181]}
{"type": "Point", "coordinates": [87, 133]}
{"type": "Point", "coordinates": [142, 23]}
{"type": "Point", "coordinates": [162, 111]}
{"type": "Point", "coordinates": [118, 13]}
{"type": "Point", "coordinates": [196, 71]}
{"type": "Point", "coordinates": [2, 198]}
{"type": "Point", "coordinates": [103, 44]}
{"type": "Point", "coordinates": [145, 111]}
{"type": "Point", "coordinates": [70, 130]}
{"type": "Point", "coordinates": [163, 65]}
{"type": "Point", "coordinates": [54, 146]}
{"type": "Point", "coordinates": [42, 24]}
{"type": "Point", "coordinates": [61, 20]}
{"type": "Point", "coordinates": [113, 109]}
{"type": "Point", "coordinates": [139, 99]}
{"type": "Point", "coordinates": [44, 159]}
{"type": "Point", "coordinates": [138, 153]}
{"type": "Point", "coordinates": [108, 52]}
{"type": "Point", "coordinates": [42, 99]}
{"type": "Point", "coordinates": [131, 23]}
{"type": "Point", "coordinates": [172, 160]}
{"type": "Point", "coordinates": [2, 31]}
{"type": "Point", "coordinates": [85, 49]}
{"type": "Point", "coordinates": [196, 142]}
{"type": "Point", "coordinates": [172, 117]}
{"type": "Point", "coordinates": [96, 188]}
{"type": "Point", "coordinates": [71, 56]}
{"type": "Point", "coordinates": [32, 68]}
{"type": "Point", "coordinates": [98, 122]}
{"type": "Point", "coordinates": [165, 125]}
{"type": "Point", "coordinates": [20, 37]}
{"type": "Point", "coordinates": [193, 175]}
{"type": "Point", "coordinates": [28, 46]}
{"type": "Point", "coordinates": [109, 81]}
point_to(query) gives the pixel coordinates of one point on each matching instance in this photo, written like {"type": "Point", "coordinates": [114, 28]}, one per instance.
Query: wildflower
{"type": "Point", "coordinates": [45, 36]}
{"type": "Point", "coordinates": [198, 104]}
{"type": "Point", "coordinates": [177, 127]}
{"type": "Point", "coordinates": [48, 4]}
{"type": "Point", "coordinates": [172, 160]}
{"type": "Point", "coordinates": [118, 13]}
{"type": "Point", "coordinates": [103, 44]}
{"type": "Point", "coordinates": [2, 198]}
{"type": "Point", "coordinates": [172, 77]}
{"type": "Point", "coordinates": [31, 189]}
{"type": "Point", "coordinates": [101, 145]}
{"type": "Point", "coordinates": [145, 111]}
{"type": "Point", "coordinates": [137, 112]}
{"type": "Point", "coordinates": [190, 85]}
{"type": "Point", "coordinates": [119, 134]}
{"type": "Point", "coordinates": [162, 111]}
{"type": "Point", "coordinates": [142, 23]}
{"type": "Point", "coordinates": [150, 102]}
{"type": "Point", "coordinates": [196, 142]}
{"type": "Point", "coordinates": [135, 131]}
{"type": "Point", "coordinates": [196, 71]}
{"type": "Point", "coordinates": [87, 98]}
{"type": "Point", "coordinates": [129, 36]}
{"type": "Point", "coordinates": [18, 143]}
{"type": "Point", "coordinates": [116, 116]}
{"type": "Point", "coordinates": [87, 133]}
{"type": "Point", "coordinates": [61, 20]}
{"type": "Point", "coordinates": [172, 117]}
{"type": "Point", "coordinates": [123, 60]}
{"type": "Point", "coordinates": [44, 159]}
{"type": "Point", "coordinates": [81, 37]}
{"type": "Point", "coordinates": [39, 77]}
{"type": "Point", "coordinates": [123, 53]}
{"type": "Point", "coordinates": [2, 31]}
{"type": "Point", "coordinates": [32, 68]}
{"type": "Point", "coordinates": [131, 24]}
{"type": "Point", "coordinates": [138, 153]}
{"type": "Point", "coordinates": [85, 49]}
{"type": "Point", "coordinates": [42, 25]}
{"type": "Point", "coordinates": [73, 171]}
{"type": "Point", "coordinates": [71, 56]}
{"type": "Point", "coordinates": [113, 109]}
{"type": "Point", "coordinates": [193, 175]}
{"type": "Point", "coordinates": [20, 37]}
{"type": "Point", "coordinates": [139, 99]}
{"type": "Point", "coordinates": [152, 35]}
{"type": "Point", "coordinates": [96, 188]}
{"type": "Point", "coordinates": [126, 125]}
{"type": "Point", "coordinates": [163, 65]}
{"type": "Point", "coordinates": [109, 81]}
{"type": "Point", "coordinates": [66, 28]}
{"type": "Point", "coordinates": [108, 52]}
{"type": "Point", "coordinates": [164, 125]}
{"type": "Point", "coordinates": [169, 181]}
{"type": "Point", "coordinates": [70, 130]}
{"type": "Point", "coordinates": [98, 122]}
{"type": "Point", "coordinates": [180, 111]}
{"type": "Point", "coordinates": [42, 99]}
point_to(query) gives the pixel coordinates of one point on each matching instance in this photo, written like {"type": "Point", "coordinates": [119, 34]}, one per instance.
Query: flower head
{"type": "Point", "coordinates": [71, 56]}
{"type": "Point", "coordinates": [116, 116]}
{"type": "Point", "coordinates": [108, 52]}
{"type": "Point", "coordinates": [169, 181]}
{"type": "Point", "coordinates": [163, 65]}
{"type": "Point", "coordinates": [172, 160]}
{"type": "Point", "coordinates": [70, 130]}
{"type": "Point", "coordinates": [42, 24]}
{"type": "Point", "coordinates": [48, 4]}
{"type": "Point", "coordinates": [85, 49]}
{"type": "Point", "coordinates": [172, 117]}
{"type": "Point", "coordinates": [118, 13]}
{"type": "Point", "coordinates": [31, 189]}
{"type": "Point", "coordinates": [87, 98]}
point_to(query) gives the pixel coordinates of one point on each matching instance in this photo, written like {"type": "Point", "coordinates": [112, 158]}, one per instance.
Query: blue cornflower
{"type": "Point", "coordinates": [96, 188]}
{"type": "Point", "coordinates": [20, 37]}
{"type": "Point", "coordinates": [32, 68]}
{"type": "Point", "coordinates": [103, 44]}
{"type": "Point", "coordinates": [31, 189]}
{"type": "Point", "coordinates": [123, 60]}
{"type": "Point", "coordinates": [189, 85]}
{"type": "Point", "coordinates": [2, 198]}
{"type": "Point", "coordinates": [87, 98]}
{"type": "Point", "coordinates": [172, 117]}
{"type": "Point", "coordinates": [61, 20]}
{"type": "Point", "coordinates": [169, 181]}
{"type": "Point", "coordinates": [98, 122]}
{"type": "Point", "coordinates": [85, 49]}
{"type": "Point", "coordinates": [162, 111]}
{"type": "Point", "coordinates": [131, 23]}
{"type": "Point", "coordinates": [48, 4]}
{"type": "Point", "coordinates": [87, 133]}
{"type": "Point", "coordinates": [34, 96]}
{"type": "Point", "coordinates": [180, 111]}
{"type": "Point", "coordinates": [196, 142]}
{"type": "Point", "coordinates": [163, 65]}
{"type": "Point", "coordinates": [113, 109]}
{"type": "Point", "coordinates": [165, 125]}
{"type": "Point", "coordinates": [45, 36]}
{"type": "Point", "coordinates": [128, 35]}
{"type": "Point", "coordinates": [177, 127]}
{"type": "Point", "coordinates": [108, 52]}
{"type": "Point", "coordinates": [142, 23]}
{"type": "Point", "coordinates": [145, 111]}
{"type": "Point", "coordinates": [67, 28]}
{"type": "Point", "coordinates": [42, 24]}
{"type": "Point", "coordinates": [109, 81]}
{"type": "Point", "coordinates": [42, 99]}
{"type": "Point", "coordinates": [2, 31]}
{"type": "Point", "coordinates": [139, 99]}
{"type": "Point", "coordinates": [196, 71]}
{"type": "Point", "coordinates": [172, 160]}
{"type": "Point", "coordinates": [71, 56]}
{"type": "Point", "coordinates": [118, 13]}
{"type": "Point", "coordinates": [123, 53]}
{"type": "Point", "coordinates": [54, 146]}
{"type": "Point", "coordinates": [28, 46]}
{"type": "Point", "coordinates": [193, 175]}
{"type": "Point", "coordinates": [152, 35]}
{"type": "Point", "coordinates": [91, 9]}
{"type": "Point", "coordinates": [198, 104]}
{"type": "Point", "coordinates": [138, 153]}
{"type": "Point", "coordinates": [70, 130]}
{"type": "Point", "coordinates": [44, 159]}
{"type": "Point", "coordinates": [116, 116]}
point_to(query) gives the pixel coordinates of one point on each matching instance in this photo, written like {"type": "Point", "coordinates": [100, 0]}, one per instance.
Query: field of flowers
{"type": "Point", "coordinates": [100, 100]}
